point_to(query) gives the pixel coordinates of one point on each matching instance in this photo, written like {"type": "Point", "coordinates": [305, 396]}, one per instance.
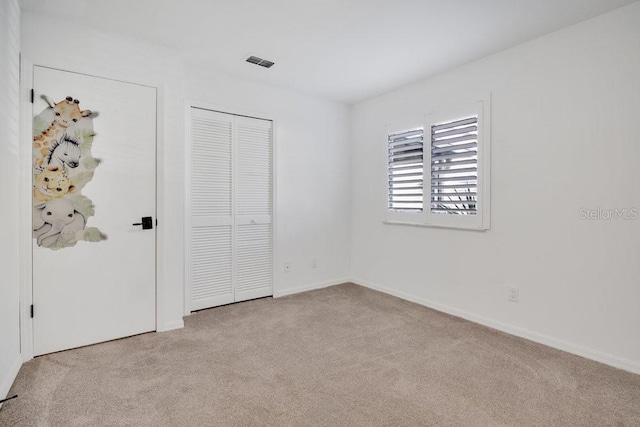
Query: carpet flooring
{"type": "Point", "coordinates": [340, 356]}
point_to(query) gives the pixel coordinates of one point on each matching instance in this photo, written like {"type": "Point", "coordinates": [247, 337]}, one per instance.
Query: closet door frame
{"type": "Point", "coordinates": [188, 105]}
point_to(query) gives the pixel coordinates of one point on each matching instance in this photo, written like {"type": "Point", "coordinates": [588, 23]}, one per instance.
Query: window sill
{"type": "Point", "coordinates": [422, 224]}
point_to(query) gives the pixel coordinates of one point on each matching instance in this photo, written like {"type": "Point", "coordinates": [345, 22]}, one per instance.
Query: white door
{"type": "Point", "coordinates": [98, 290]}
{"type": "Point", "coordinates": [230, 250]}
{"type": "Point", "coordinates": [253, 195]}
{"type": "Point", "coordinates": [211, 209]}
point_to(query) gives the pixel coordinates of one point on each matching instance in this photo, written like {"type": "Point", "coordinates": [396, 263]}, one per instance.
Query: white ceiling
{"type": "Point", "coordinates": [344, 50]}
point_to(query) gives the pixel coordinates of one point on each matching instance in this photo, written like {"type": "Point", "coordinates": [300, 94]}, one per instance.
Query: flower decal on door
{"type": "Point", "coordinates": [62, 166]}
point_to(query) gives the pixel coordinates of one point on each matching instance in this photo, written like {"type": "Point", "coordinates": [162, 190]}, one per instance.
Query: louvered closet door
{"type": "Point", "coordinates": [253, 185]}
{"type": "Point", "coordinates": [230, 255]}
{"type": "Point", "coordinates": [211, 251]}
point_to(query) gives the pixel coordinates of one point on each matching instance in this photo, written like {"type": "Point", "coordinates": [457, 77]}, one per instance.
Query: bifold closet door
{"type": "Point", "coordinates": [253, 208]}
{"type": "Point", "coordinates": [211, 251]}
{"type": "Point", "coordinates": [231, 204]}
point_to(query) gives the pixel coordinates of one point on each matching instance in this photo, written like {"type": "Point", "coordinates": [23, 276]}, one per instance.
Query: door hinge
{"type": "Point", "coordinates": [156, 222]}
{"type": "Point", "coordinates": [32, 311]}
{"type": "Point", "coordinates": [32, 95]}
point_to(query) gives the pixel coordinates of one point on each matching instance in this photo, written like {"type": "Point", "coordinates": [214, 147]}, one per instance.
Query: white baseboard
{"type": "Point", "coordinates": [170, 326]}
{"type": "Point", "coordinates": [607, 359]}
{"type": "Point", "coordinates": [305, 288]}
{"type": "Point", "coordinates": [11, 377]}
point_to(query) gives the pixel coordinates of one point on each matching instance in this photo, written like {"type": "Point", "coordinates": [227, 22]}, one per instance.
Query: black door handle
{"type": "Point", "coordinates": [147, 223]}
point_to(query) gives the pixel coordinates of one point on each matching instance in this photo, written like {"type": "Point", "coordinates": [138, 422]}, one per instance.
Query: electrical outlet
{"type": "Point", "coordinates": [314, 263]}
{"type": "Point", "coordinates": [513, 294]}
{"type": "Point", "coordinates": [287, 267]}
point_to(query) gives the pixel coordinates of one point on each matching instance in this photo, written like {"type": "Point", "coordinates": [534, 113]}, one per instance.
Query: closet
{"type": "Point", "coordinates": [230, 192]}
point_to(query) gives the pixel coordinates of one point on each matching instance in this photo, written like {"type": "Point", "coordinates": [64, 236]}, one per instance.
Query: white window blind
{"type": "Point", "coordinates": [405, 171]}
{"type": "Point", "coordinates": [439, 174]}
{"type": "Point", "coordinates": [454, 167]}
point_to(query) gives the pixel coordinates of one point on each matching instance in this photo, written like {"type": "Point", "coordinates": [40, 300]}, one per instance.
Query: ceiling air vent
{"type": "Point", "coordinates": [259, 61]}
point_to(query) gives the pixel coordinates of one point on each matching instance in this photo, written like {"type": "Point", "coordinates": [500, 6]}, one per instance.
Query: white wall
{"type": "Point", "coordinates": [312, 175]}
{"type": "Point", "coordinates": [577, 279]}
{"type": "Point", "coordinates": [10, 359]}
{"type": "Point", "coordinates": [312, 136]}
{"type": "Point", "coordinates": [565, 130]}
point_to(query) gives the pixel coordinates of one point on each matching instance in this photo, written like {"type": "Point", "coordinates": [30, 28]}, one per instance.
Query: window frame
{"type": "Point", "coordinates": [481, 220]}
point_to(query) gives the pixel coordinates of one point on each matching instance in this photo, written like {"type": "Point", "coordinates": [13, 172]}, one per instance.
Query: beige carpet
{"type": "Point", "coordinates": [341, 356]}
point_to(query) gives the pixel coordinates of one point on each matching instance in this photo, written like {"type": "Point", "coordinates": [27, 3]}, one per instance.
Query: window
{"type": "Point", "coordinates": [447, 183]}
{"type": "Point", "coordinates": [454, 167]}
{"type": "Point", "coordinates": [405, 171]}
{"type": "Point", "coordinates": [405, 175]}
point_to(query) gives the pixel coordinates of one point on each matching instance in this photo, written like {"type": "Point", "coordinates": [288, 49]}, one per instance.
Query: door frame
{"type": "Point", "coordinates": [191, 103]}
{"type": "Point", "coordinates": [25, 177]}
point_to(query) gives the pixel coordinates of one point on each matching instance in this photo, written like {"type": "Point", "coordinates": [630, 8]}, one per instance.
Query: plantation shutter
{"type": "Point", "coordinates": [211, 257]}
{"type": "Point", "coordinates": [253, 208]}
{"type": "Point", "coordinates": [405, 171]}
{"type": "Point", "coordinates": [454, 167]}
